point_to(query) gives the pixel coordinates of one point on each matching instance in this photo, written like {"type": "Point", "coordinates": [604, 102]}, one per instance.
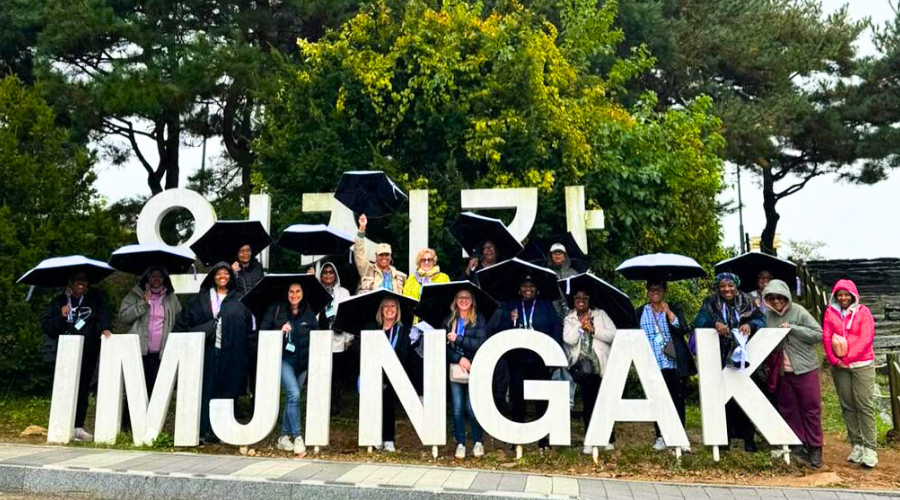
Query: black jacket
{"type": "Point", "coordinates": [238, 337]}
{"type": "Point", "coordinates": [544, 320]}
{"type": "Point", "coordinates": [301, 324]}
{"type": "Point", "coordinates": [92, 308]}
{"type": "Point", "coordinates": [469, 343]}
{"type": "Point", "coordinates": [249, 276]}
{"type": "Point", "coordinates": [684, 362]}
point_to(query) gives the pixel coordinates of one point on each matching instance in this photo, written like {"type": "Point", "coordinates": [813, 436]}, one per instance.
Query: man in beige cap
{"type": "Point", "coordinates": [381, 274]}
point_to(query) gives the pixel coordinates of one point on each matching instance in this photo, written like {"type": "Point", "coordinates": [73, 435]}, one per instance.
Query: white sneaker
{"type": "Point", "coordinates": [82, 435]}
{"type": "Point", "coordinates": [299, 446]}
{"type": "Point", "coordinates": [857, 454]}
{"type": "Point", "coordinates": [478, 450]}
{"type": "Point", "coordinates": [460, 451]}
{"type": "Point", "coordinates": [869, 458]}
{"type": "Point", "coordinates": [659, 445]}
{"type": "Point", "coordinates": [686, 449]}
{"type": "Point", "coordinates": [388, 446]}
{"type": "Point", "coordinates": [587, 450]}
{"type": "Point", "coordinates": [284, 443]}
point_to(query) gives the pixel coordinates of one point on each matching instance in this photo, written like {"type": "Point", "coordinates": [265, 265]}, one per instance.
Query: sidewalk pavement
{"type": "Point", "coordinates": [139, 475]}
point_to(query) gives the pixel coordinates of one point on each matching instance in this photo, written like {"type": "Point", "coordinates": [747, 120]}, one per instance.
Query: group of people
{"type": "Point", "coordinates": [789, 376]}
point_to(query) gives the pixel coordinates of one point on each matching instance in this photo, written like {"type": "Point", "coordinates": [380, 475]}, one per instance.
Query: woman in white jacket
{"type": "Point", "coordinates": [587, 338]}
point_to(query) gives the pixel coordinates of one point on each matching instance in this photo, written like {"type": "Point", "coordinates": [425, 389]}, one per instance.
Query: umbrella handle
{"type": "Point", "coordinates": [30, 292]}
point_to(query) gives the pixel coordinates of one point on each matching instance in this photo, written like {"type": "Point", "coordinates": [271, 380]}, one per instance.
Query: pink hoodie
{"type": "Point", "coordinates": [857, 325]}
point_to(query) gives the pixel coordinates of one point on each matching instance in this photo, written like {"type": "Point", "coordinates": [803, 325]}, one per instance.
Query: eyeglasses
{"type": "Point", "coordinates": [582, 297]}
{"type": "Point", "coordinates": [327, 271]}
{"type": "Point", "coordinates": [244, 250]}
{"type": "Point", "coordinates": [467, 299]}
{"type": "Point", "coordinates": [426, 259]}
{"type": "Point", "coordinates": [384, 255]}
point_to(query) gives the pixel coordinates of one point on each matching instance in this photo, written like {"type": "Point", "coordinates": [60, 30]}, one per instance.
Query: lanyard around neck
{"type": "Point", "coordinates": [528, 322]}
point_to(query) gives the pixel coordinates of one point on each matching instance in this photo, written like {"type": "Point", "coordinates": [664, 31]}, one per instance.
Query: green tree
{"type": "Point", "coordinates": [47, 208]}
{"type": "Point", "coordinates": [450, 98]}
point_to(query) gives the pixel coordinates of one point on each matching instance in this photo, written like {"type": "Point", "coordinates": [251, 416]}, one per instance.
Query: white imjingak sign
{"type": "Point", "coordinates": [182, 365]}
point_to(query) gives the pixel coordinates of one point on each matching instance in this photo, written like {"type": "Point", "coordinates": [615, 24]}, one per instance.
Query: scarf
{"type": "Point", "coordinates": [425, 277]}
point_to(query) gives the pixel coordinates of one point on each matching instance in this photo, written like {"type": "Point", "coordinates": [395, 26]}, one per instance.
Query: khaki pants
{"type": "Point", "coordinates": [855, 388]}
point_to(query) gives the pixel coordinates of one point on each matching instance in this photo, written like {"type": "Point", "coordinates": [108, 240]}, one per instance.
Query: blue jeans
{"type": "Point", "coordinates": [292, 383]}
{"type": "Point", "coordinates": [459, 394]}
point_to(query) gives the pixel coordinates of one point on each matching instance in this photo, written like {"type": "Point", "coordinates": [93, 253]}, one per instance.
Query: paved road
{"type": "Point", "coordinates": [138, 475]}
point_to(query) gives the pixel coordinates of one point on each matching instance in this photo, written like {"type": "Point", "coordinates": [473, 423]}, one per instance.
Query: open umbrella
{"type": "Point", "coordinates": [436, 298]}
{"type": "Point", "coordinates": [604, 296]}
{"type": "Point", "coordinates": [473, 230]}
{"type": "Point", "coordinates": [274, 287]}
{"type": "Point", "coordinates": [661, 266]}
{"type": "Point", "coordinates": [748, 266]}
{"type": "Point", "coordinates": [55, 272]}
{"type": "Point", "coordinates": [314, 239]}
{"type": "Point", "coordinates": [358, 311]}
{"type": "Point", "coordinates": [369, 192]}
{"type": "Point", "coordinates": [501, 281]}
{"type": "Point", "coordinates": [224, 238]}
{"type": "Point", "coordinates": [537, 251]}
{"type": "Point", "coordinates": [135, 259]}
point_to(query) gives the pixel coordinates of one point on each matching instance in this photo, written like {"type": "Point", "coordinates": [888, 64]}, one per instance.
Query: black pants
{"type": "Point", "coordinates": [89, 358]}
{"type": "Point", "coordinates": [388, 413]}
{"type": "Point", "coordinates": [518, 374]}
{"type": "Point", "coordinates": [344, 374]}
{"type": "Point", "coordinates": [677, 390]}
{"type": "Point", "coordinates": [150, 362]}
{"type": "Point", "coordinates": [211, 391]}
{"type": "Point", "coordinates": [500, 385]}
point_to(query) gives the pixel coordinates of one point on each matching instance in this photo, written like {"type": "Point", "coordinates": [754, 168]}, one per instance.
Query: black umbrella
{"type": "Point", "coordinates": [435, 300]}
{"type": "Point", "coordinates": [135, 259]}
{"type": "Point", "coordinates": [537, 251]}
{"type": "Point", "coordinates": [274, 288]}
{"type": "Point", "coordinates": [473, 230]}
{"type": "Point", "coordinates": [501, 281]}
{"type": "Point", "coordinates": [223, 240]}
{"type": "Point", "coordinates": [314, 239]}
{"type": "Point", "coordinates": [358, 311]}
{"type": "Point", "coordinates": [55, 272]}
{"type": "Point", "coordinates": [661, 266]}
{"type": "Point", "coordinates": [748, 266]}
{"type": "Point", "coordinates": [604, 296]}
{"type": "Point", "coordinates": [369, 192]}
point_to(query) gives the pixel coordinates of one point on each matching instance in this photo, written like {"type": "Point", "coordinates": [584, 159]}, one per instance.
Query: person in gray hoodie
{"type": "Point", "coordinates": [798, 394]}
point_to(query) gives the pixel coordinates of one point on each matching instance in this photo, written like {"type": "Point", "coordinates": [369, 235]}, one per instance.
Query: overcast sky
{"type": "Point", "coordinates": [851, 220]}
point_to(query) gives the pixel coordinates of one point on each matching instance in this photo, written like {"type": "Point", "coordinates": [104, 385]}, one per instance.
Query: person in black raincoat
{"type": "Point", "coordinates": [79, 310]}
{"type": "Point", "coordinates": [295, 319]}
{"type": "Point", "coordinates": [530, 313]}
{"type": "Point", "coordinates": [217, 311]}
{"type": "Point", "coordinates": [247, 273]}
{"type": "Point", "coordinates": [388, 319]}
{"type": "Point", "coordinates": [729, 310]}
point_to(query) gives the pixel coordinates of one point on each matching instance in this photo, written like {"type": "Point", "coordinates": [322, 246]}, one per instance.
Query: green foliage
{"type": "Point", "coordinates": [449, 98]}
{"type": "Point", "coordinates": [47, 208]}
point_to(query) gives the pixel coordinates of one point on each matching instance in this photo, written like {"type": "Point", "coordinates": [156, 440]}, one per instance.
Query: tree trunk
{"type": "Point", "coordinates": [237, 132]}
{"type": "Point", "coordinates": [767, 239]}
{"type": "Point", "coordinates": [172, 147]}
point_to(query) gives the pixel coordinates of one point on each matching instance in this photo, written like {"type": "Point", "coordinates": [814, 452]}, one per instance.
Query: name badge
{"type": "Point", "coordinates": [79, 324]}
{"type": "Point", "coordinates": [290, 348]}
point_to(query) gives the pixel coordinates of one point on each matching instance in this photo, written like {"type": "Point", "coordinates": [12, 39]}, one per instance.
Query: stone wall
{"type": "Point", "coordinates": [878, 281]}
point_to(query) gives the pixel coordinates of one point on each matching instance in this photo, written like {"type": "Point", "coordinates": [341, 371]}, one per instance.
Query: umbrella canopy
{"type": "Point", "coordinates": [748, 266]}
{"type": "Point", "coordinates": [223, 240]}
{"type": "Point", "coordinates": [135, 259]}
{"type": "Point", "coordinates": [473, 230]}
{"type": "Point", "coordinates": [56, 271]}
{"type": "Point", "coordinates": [604, 296]}
{"type": "Point", "coordinates": [661, 266]}
{"type": "Point", "coordinates": [274, 288]}
{"type": "Point", "coordinates": [501, 281]}
{"type": "Point", "coordinates": [314, 239]}
{"type": "Point", "coordinates": [369, 192]}
{"type": "Point", "coordinates": [436, 298]}
{"type": "Point", "coordinates": [358, 311]}
{"type": "Point", "coordinates": [537, 251]}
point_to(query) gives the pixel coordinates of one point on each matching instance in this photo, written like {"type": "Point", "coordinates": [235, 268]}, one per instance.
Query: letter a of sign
{"type": "Point", "coordinates": [632, 346]}
{"type": "Point", "coordinates": [718, 385]}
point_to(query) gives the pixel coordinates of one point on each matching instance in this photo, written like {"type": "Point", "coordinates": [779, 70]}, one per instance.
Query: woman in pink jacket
{"type": "Point", "coordinates": [848, 334]}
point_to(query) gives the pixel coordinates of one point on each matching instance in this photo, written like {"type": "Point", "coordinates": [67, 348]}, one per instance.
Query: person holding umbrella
{"type": "Point", "coordinates": [466, 331]}
{"type": "Point", "coordinates": [488, 259]}
{"type": "Point", "coordinates": [762, 281]}
{"type": "Point", "coordinates": [344, 367]}
{"type": "Point", "coordinates": [848, 337]}
{"type": "Point", "coordinates": [427, 271]}
{"type": "Point", "coordinates": [217, 311]}
{"type": "Point", "coordinates": [247, 270]}
{"type": "Point", "coordinates": [293, 316]}
{"type": "Point", "coordinates": [531, 313]}
{"type": "Point", "coordinates": [381, 274]}
{"type": "Point", "coordinates": [149, 310]}
{"type": "Point", "coordinates": [735, 317]}
{"type": "Point", "coordinates": [588, 333]}
{"type": "Point", "coordinates": [78, 310]}
{"type": "Point", "coordinates": [798, 394]}
{"type": "Point", "coordinates": [666, 330]}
